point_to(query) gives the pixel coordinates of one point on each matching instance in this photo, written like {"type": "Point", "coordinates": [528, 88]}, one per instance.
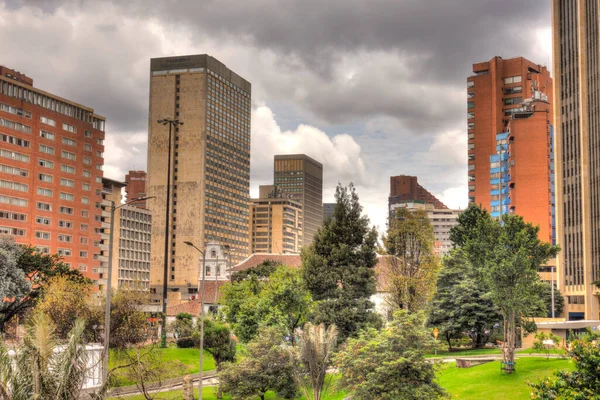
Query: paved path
{"type": "Point", "coordinates": [209, 379]}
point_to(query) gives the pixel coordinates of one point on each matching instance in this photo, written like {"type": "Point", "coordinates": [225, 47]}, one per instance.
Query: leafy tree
{"type": "Point", "coordinates": [260, 272]}
{"type": "Point", "coordinates": [219, 342]}
{"type": "Point", "coordinates": [389, 364]}
{"type": "Point", "coordinates": [41, 371]}
{"type": "Point", "coordinates": [183, 326]}
{"type": "Point", "coordinates": [39, 269]}
{"type": "Point", "coordinates": [128, 325]}
{"type": "Point", "coordinates": [539, 345]}
{"type": "Point", "coordinates": [581, 384]}
{"type": "Point", "coordinates": [267, 366]}
{"type": "Point", "coordinates": [413, 267]}
{"type": "Point", "coordinates": [338, 267]}
{"type": "Point", "coordinates": [312, 357]}
{"type": "Point", "coordinates": [545, 293]}
{"type": "Point", "coordinates": [13, 282]}
{"type": "Point", "coordinates": [460, 303]}
{"type": "Point", "coordinates": [239, 307]}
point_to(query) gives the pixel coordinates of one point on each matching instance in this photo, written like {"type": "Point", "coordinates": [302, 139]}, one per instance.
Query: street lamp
{"type": "Point", "coordinates": [108, 285]}
{"type": "Point", "coordinates": [202, 271]}
{"type": "Point", "coordinates": [172, 123]}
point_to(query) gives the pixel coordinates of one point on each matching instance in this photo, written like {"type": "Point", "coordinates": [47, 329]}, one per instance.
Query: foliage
{"type": "Point", "coordinates": [183, 330]}
{"type": "Point", "coordinates": [128, 324]}
{"type": "Point", "coordinates": [413, 268]}
{"type": "Point", "coordinates": [38, 269]}
{"type": "Point", "coordinates": [260, 272]}
{"type": "Point", "coordinates": [65, 302]}
{"type": "Point", "coordinates": [339, 267]}
{"type": "Point", "coordinates": [460, 303]}
{"type": "Point", "coordinates": [239, 307]}
{"type": "Point", "coordinates": [219, 342]}
{"type": "Point", "coordinates": [40, 370]}
{"type": "Point", "coordinates": [506, 256]}
{"type": "Point", "coordinates": [13, 282]}
{"type": "Point", "coordinates": [581, 384]}
{"type": "Point", "coordinates": [312, 357]}
{"type": "Point", "coordinates": [389, 364]}
{"type": "Point", "coordinates": [267, 366]}
{"type": "Point", "coordinates": [540, 347]}
{"type": "Point", "coordinates": [545, 293]}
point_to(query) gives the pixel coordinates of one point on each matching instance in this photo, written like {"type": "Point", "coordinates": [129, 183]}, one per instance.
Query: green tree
{"type": "Point", "coordinates": [545, 293]}
{"type": "Point", "coordinates": [507, 255]}
{"type": "Point", "coordinates": [581, 384]}
{"type": "Point", "coordinates": [128, 324]}
{"type": "Point", "coordinates": [260, 272]}
{"type": "Point", "coordinates": [460, 303]}
{"type": "Point", "coordinates": [183, 326]}
{"type": "Point", "coordinates": [219, 342]}
{"type": "Point", "coordinates": [413, 268]}
{"type": "Point", "coordinates": [338, 267]}
{"type": "Point", "coordinates": [266, 366]}
{"type": "Point", "coordinates": [13, 282]}
{"type": "Point", "coordinates": [389, 364]}
{"type": "Point", "coordinates": [542, 344]}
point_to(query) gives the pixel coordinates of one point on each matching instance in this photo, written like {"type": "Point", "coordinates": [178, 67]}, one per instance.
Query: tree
{"type": "Point", "coordinates": [128, 324]}
{"type": "Point", "coordinates": [312, 357]}
{"type": "Point", "coordinates": [507, 255]}
{"type": "Point", "coordinates": [219, 342]}
{"type": "Point", "coordinates": [545, 293]}
{"type": "Point", "coordinates": [460, 303]}
{"type": "Point", "coordinates": [413, 267]}
{"type": "Point", "coordinates": [39, 369]}
{"type": "Point", "coordinates": [581, 384]}
{"type": "Point", "coordinates": [13, 282]}
{"type": "Point", "coordinates": [338, 267]}
{"type": "Point", "coordinates": [239, 307]}
{"type": "Point", "coordinates": [261, 272]}
{"type": "Point", "coordinates": [267, 366]}
{"type": "Point", "coordinates": [542, 343]}
{"type": "Point", "coordinates": [183, 326]}
{"type": "Point", "coordinates": [38, 270]}
{"type": "Point", "coordinates": [389, 364]}
{"type": "Point", "coordinates": [66, 302]}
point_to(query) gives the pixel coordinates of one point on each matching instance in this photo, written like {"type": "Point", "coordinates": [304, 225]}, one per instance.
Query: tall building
{"type": "Point", "coordinates": [51, 161]}
{"type": "Point", "coordinates": [210, 165]}
{"type": "Point", "coordinates": [131, 239]}
{"type": "Point", "coordinates": [301, 178]}
{"type": "Point", "coordinates": [276, 223]}
{"type": "Point", "coordinates": [494, 93]}
{"type": "Point", "coordinates": [406, 189]}
{"type": "Point", "coordinates": [328, 210]}
{"type": "Point", "coordinates": [576, 66]}
{"type": "Point", "coordinates": [136, 187]}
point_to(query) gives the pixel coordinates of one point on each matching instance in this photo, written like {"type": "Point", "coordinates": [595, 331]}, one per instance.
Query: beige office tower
{"type": "Point", "coordinates": [276, 223]}
{"type": "Point", "coordinates": [210, 166]}
{"type": "Point", "coordinates": [301, 178]}
{"type": "Point", "coordinates": [576, 67]}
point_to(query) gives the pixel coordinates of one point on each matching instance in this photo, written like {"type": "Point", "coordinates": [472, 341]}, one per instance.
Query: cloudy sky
{"type": "Point", "coordinates": [371, 88]}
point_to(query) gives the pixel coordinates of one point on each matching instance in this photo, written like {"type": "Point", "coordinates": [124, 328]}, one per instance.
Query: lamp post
{"type": "Point", "coordinates": [202, 271]}
{"type": "Point", "coordinates": [172, 123]}
{"type": "Point", "coordinates": [113, 208]}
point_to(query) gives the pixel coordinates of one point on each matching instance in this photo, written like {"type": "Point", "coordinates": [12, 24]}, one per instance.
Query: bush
{"type": "Point", "coordinates": [187, 343]}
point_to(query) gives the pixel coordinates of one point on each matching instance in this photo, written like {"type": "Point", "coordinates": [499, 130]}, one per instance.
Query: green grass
{"type": "Point", "coordinates": [189, 358]}
{"type": "Point", "coordinates": [486, 382]}
{"type": "Point", "coordinates": [463, 352]}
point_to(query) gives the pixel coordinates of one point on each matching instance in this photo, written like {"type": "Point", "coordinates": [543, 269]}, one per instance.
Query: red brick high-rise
{"type": "Point", "coordinates": [136, 187]}
{"type": "Point", "coordinates": [405, 188]}
{"type": "Point", "coordinates": [51, 161]}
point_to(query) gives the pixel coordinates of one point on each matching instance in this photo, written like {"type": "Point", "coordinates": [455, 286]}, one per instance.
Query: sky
{"type": "Point", "coordinates": [370, 88]}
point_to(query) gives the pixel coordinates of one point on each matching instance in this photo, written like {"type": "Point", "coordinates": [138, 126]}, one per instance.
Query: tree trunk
{"type": "Point", "coordinates": [508, 347]}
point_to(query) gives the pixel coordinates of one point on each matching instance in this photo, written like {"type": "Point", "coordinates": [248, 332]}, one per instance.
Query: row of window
{"type": "Point", "coordinates": [17, 126]}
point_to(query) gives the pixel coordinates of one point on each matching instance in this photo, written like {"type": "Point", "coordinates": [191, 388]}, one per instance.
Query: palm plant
{"type": "Point", "coordinates": [40, 368]}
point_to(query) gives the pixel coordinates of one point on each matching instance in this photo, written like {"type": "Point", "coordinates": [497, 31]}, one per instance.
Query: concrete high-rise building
{"type": "Point", "coordinates": [328, 210]}
{"type": "Point", "coordinates": [494, 93]}
{"type": "Point", "coordinates": [136, 187]}
{"type": "Point", "coordinates": [131, 239]}
{"type": "Point", "coordinates": [276, 223]}
{"type": "Point", "coordinates": [301, 178]}
{"type": "Point", "coordinates": [51, 161]}
{"type": "Point", "coordinates": [210, 165]}
{"type": "Point", "coordinates": [576, 66]}
{"type": "Point", "coordinates": [406, 189]}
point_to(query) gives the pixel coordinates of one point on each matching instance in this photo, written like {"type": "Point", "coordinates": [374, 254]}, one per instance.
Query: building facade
{"type": "Point", "coordinates": [51, 162]}
{"type": "Point", "coordinates": [136, 187]}
{"type": "Point", "coordinates": [494, 93]}
{"type": "Point", "coordinates": [576, 66]}
{"type": "Point", "coordinates": [406, 189]}
{"type": "Point", "coordinates": [210, 165]}
{"type": "Point", "coordinates": [301, 177]}
{"type": "Point", "coordinates": [275, 223]}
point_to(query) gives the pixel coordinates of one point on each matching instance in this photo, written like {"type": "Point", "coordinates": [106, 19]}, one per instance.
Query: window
{"type": "Point", "coordinates": [15, 125]}
{"type": "Point", "coordinates": [470, 115]}
{"type": "Point", "coordinates": [14, 140]}
{"type": "Point", "coordinates": [14, 155]}
{"type": "Point", "coordinates": [470, 84]}
{"type": "Point", "coordinates": [85, 200]}
{"type": "Point", "coordinates": [100, 154]}
{"type": "Point", "coordinates": [87, 134]}
{"type": "Point", "coordinates": [68, 155]}
{"type": "Point", "coordinates": [65, 210]}
{"type": "Point", "coordinates": [513, 90]}
{"type": "Point", "coordinates": [100, 142]}
{"type": "Point", "coordinates": [44, 206]}
{"type": "Point", "coordinates": [471, 167]}
{"type": "Point", "coordinates": [69, 128]}
{"type": "Point", "coordinates": [14, 170]}
{"type": "Point", "coordinates": [512, 79]}
{"type": "Point", "coordinates": [65, 238]}
{"type": "Point", "coordinates": [13, 201]}
{"type": "Point", "coordinates": [64, 252]}
{"type": "Point", "coordinates": [44, 192]}
{"type": "Point", "coordinates": [471, 146]}
{"type": "Point", "coordinates": [83, 227]}
{"type": "Point", "coordinates": [67, 182]}
{"type": "Point", "coordinates": [99, 167]}
{"type": "Point", "coordinates": [85, 213]}
{"type": "Point", "coordinates": [46, 149]}
{"type": "Point", "coordinates": [87, 174]}
{"type": "Point", "coordinates": [83, 240]}
{"type": "Point", "coordinates": [471, 125]}
{"type": "Point", "coordinates": [14, 186]}
{"type": "Point", "coordinates": [470, 104]}
{"type": "Point", "coordinates": [48, 121]}
{"type": "Point", "coordinates": [83, 253]}
{"type": "Point", "coordinates": [86, 187]}
{"type": "Point", "coordinates": [69, 142]}
{"type": "Point", "coordinates": [87, 160]}
{"type": "Point", "coordinates": [47, 135]}
{"type": "Point", "coordinates": [66, 196]}
{"type": "Point", "coordinates": [15, 110]}
{"type": "Point", "coordinates": [470, 95]}
{"type": "Point", "coordinates": [45, 163]}
{"type": "Point", "coordinates": [12, 231]}
{"type": "Point", "coordinates": [513, 100]}
{"type": "Point", "coordinates": [13, 216]}
{"type": "Point", "coordinates": [82, 267]}
{"type": "Point", "coordinates": [87, 147]}
{"type": "Point", "coordinates": [65, 224]}
{"type": "Point", "coordinates": [42, 235]}
{"type": "Point", "coordinates": [42, 220]}
{"type": "Point", "coordinates": [67, 168]}
{"type": "Point", "coordinates": [43, 249]}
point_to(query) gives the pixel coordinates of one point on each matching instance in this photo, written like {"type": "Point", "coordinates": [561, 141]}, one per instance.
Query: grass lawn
{"type": "Point", "coordinates": [189, 358]}
{"type": "Point", "coordinates": [486, 382]}
{"type": "Point", "coordinates": [463, 352]}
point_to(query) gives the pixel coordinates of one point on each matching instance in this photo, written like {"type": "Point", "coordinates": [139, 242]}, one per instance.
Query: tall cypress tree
{"type": "Point", "coordinates": [339, 267]}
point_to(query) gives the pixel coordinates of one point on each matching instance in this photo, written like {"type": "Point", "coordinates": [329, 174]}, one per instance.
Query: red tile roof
{"type": "Point", "coordinates": [193, 306]}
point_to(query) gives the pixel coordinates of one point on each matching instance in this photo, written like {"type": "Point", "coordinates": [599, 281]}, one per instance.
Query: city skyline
{"type": "Point", "coordinates": [421, 123]}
